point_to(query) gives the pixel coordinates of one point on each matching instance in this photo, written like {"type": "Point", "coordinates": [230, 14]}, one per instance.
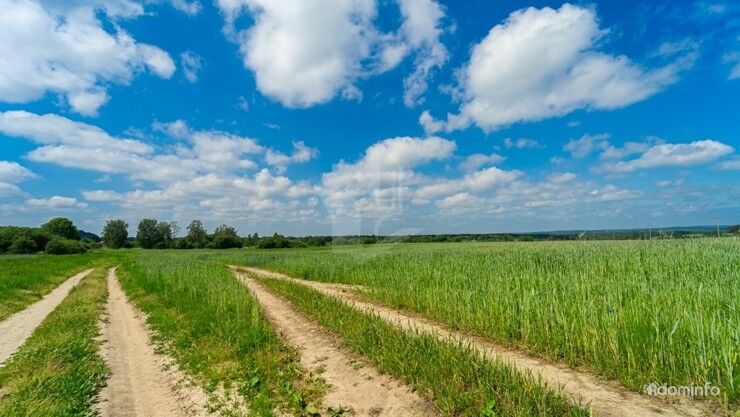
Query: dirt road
{"type": "Point", "coordinates": [606, 398]}
{"type": "Point", "coordinates": [141, 382]}
{"type": "Point", "coordinates": [17, 328]}
{"type": "Point", "coordinates": [364, 389]}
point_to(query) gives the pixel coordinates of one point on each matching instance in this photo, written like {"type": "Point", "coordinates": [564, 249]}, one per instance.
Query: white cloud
{"type": "Point", "coordinates": [543, 63]}
{"type": "Point", "coordinates": [521, 143]}
{"type": "Point", "coordinates": [670, 154]}
{"type": "Point", "coordinates": [190, 8]}
{"type": "Point", "coordinates": [301, 153]}
{"type": "Point", "coordinates": [191, 64]}
{"type": "Point", "coordinates": [586, 145]}
{"type": "Point", "coordinates": [421, 31]}
{"type": "Point", "coordinates": [64, 49]}
{"type": "Point", "coordinates": [477, 160]}
{"type": "Point", "coordinates": [307, 53]}
{"type": "Point", "coordinates": [732, 164]}
{"type": "Point", "coordinates": [56, 202]}
{"type": "Point", "coordinates": [429, 123]}
{"type": "Point", "coordinates": [51, 129]}
{"type": "Point", "coordinates": [80, 145]}
{"type": "Point", "coordinates": [13, 172]}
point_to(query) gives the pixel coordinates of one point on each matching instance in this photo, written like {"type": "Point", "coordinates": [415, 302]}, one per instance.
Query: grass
{"type": "Point", "coordinates": [453, 376]}
{"type": "Point", "coordinates": [635, 311]}
{"type": "Point", "coordinates": [24, 279]}
{"type": "Point", "coordinates": [58, 371]}
{"type": "Point", "coordinates": [216, 332]}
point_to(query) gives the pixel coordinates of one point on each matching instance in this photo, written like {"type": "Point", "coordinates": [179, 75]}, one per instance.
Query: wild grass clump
{"type": "Point", "coordinates": [636, 311]}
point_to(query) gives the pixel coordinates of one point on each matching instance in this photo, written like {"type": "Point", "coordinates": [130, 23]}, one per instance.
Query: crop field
{"type": "Point", "coordinates": [249, 341]}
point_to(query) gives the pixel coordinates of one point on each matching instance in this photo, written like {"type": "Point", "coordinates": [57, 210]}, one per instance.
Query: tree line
{"type": "Point", "coordinates": [57, 236]}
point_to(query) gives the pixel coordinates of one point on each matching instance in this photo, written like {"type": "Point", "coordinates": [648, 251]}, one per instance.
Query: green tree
{"type": "Point", "coordinates": [225, 237]}
{"type": "Point", "coordinates": [147, 233]}
{"type": "Point", "coordinates": [63, 227]}
{"type": "Point", "coordinates": [115, 233]}
{"type": "Point", "coordinates": [197, 235]}
{"type": "Point", "coordinates": [23, 244]}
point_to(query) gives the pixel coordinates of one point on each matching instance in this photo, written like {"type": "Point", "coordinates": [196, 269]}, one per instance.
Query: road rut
{"type": "Point", "coordinates": [141, 382]}
{"type": "Point", "coordinates": [605, 398]}
{"type": "Point", "coordinates": [364, 389]}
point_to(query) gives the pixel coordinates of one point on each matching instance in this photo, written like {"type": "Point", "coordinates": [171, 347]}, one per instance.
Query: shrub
{"type": "Point", "coordinates": [60, 246]}
{"type": "Point", "coordinates": [23, 244]}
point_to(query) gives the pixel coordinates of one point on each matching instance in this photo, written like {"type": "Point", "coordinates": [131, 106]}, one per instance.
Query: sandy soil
{"type": "Point", "coordinates": [606, 398]}
{"type": "Point", "coordinates": [17, 328]}
{"type": "Point", "coordinates": [141, 382]}
{"type": "Point", "coordinates": [368, 392]}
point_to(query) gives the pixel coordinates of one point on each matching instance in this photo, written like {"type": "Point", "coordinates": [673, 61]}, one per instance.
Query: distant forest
{"type": "Point", "coordinates": [60, 236]}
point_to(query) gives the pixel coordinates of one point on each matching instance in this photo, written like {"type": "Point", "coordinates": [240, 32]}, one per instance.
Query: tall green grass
{"type": "Point", "coordinates": [454, 376]}
{"type": "Point", "coordinates": [58, 371]}
{"type": "Point", "coordinates": [24, 279]}
{"type": "Point", "coordinates": [215, 330]}
{"type": "Point", "coordinates": [636, 311]}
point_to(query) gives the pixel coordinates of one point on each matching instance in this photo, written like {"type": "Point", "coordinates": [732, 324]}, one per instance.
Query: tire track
{"type": "Point", "coordinates": [365, 390]}
{"type": "Point", "coordinates": [605, 398]}
{"type": "Point", "coordinates": [17, 328]}
{"type": "Point", "coordinates": [141, 382]}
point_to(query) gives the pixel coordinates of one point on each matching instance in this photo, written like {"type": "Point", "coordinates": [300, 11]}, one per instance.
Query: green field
{"type": "Point", "coordinates": [26, 278]}
{"type": "Point", "coordinates": [636, 311]}
{"type": "Point", "coordinates": [632, 311]}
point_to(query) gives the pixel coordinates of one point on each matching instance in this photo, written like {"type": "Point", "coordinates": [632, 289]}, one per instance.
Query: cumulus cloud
{"type": "Point", "coordinates": [66, 50]}
{"type": "Point", "coordinates": [301, 153]}
{"type": "Point", "coordinates": [56, 202]}
{"type": "Point", "coordinates": [521, 143]}
{"type": "Point", "coordinates": [12, 173]}
{"type": "Point", "coordinates": [543, 63]}
{"type": "Point", "coordinates": [586, 145]}
{"type": "Point", "coordinates": [421, 30]}
{"type": "Point", "coordinates": [190, 8]}
{"type": "Point", "coordinates": [307, 53]}
{"type": "Point", "coordinates": [672, 154]}
{"type": "Point", "coordinates": [477, 160]}
{"type": "Point", "coordinates": [191, 64]}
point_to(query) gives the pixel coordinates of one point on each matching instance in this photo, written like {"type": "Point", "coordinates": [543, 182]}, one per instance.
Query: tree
{"type": "Point", "coordinates": [22, 245]}
{"type": "Point", "coordinates": [115, 233]}
{"type": "Point", "coordinates": [197, 235]}
{"type": "Point", "coordinates": [63, 227]}
{"type": "Point", "coordinates": [147, 234]}
{"type": "Point", "coordinates": [225, 237]}
{"type": "Point", "coordinates": [735, 228]}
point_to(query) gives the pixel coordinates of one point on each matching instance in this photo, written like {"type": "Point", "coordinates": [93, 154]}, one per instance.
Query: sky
{"type": "Point", "coordinates": [370, 116]}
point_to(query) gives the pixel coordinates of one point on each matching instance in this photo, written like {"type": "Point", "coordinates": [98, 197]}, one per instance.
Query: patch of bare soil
{"type": "Point", "coordinates": [606, 398]}
{"type": "Point", "coordinates": [141, 382]}
{"type": "Point", "coordinates": [362, 389]}
{"type": "Point", "coordinates": [17, 328]}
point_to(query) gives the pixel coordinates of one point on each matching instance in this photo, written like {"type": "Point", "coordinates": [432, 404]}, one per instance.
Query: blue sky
{"type": "Point", "coordinates": [365, 116]}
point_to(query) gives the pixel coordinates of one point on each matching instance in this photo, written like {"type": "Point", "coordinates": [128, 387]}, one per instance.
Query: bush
{"type": "Point", "coordinates": [22, 245]}
{"type": "Point", "coordinates": [226, 242]}
{"type": "Point", "coordinates": [60, 246]}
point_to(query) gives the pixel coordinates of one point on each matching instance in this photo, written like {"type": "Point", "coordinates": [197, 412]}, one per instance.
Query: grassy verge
{"type": "Point", "coordinates": [58, 371]}
{"type": "Point", "coordinates": [216, 332]}
{"type": "Point", "coordinates": [458, 381]}
{"type": "Point", "coordinates": [635, 311]}
{"type": "Point", "coordinates": [24, 279]}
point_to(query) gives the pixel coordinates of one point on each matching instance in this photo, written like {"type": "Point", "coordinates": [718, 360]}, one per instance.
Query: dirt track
{"type": "Point", "coordinates": [368, 392]}
{"type": "Point", "coordinates": [141, 383]}
{"type": "Point", "coordinates": [606, 398]}
{"type": "Point", "coordinates": [17, 328]}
